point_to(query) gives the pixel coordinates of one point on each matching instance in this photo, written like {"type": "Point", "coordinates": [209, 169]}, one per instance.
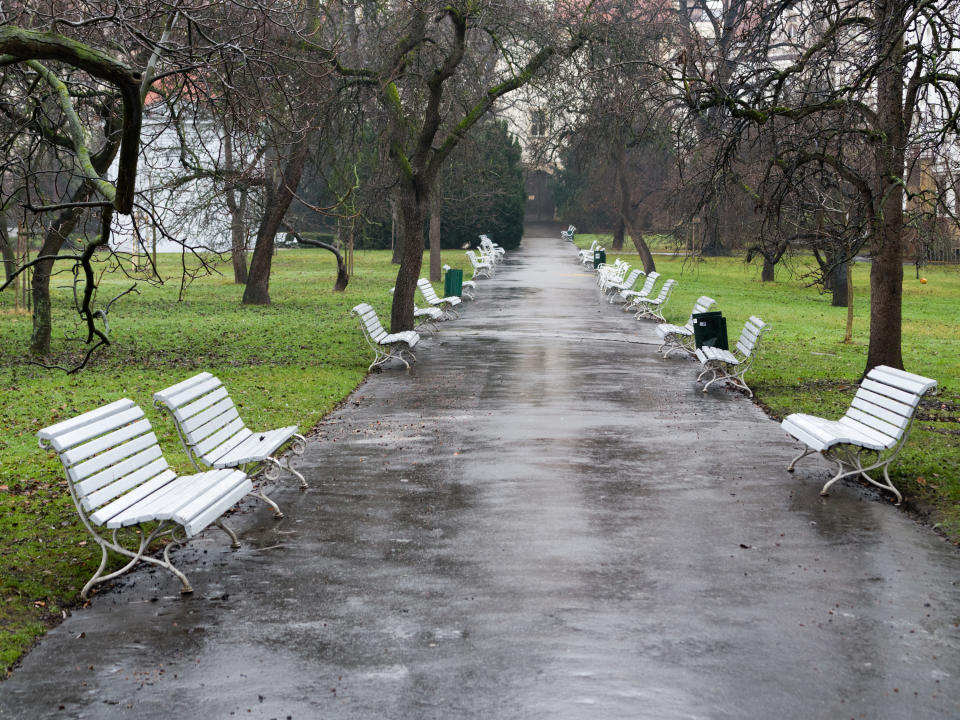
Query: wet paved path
{"type": "Point", "coordinates": [543, 520]}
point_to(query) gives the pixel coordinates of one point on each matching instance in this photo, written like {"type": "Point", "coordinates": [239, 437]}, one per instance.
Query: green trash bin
{"type": "Point", "coordinates": [453, 282]}
{"type": "Point", "coordinates": [710, 330]}
{"type": "Point", "coordinates": [599, 257]}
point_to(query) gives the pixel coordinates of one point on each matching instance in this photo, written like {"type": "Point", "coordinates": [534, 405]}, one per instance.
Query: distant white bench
{"type": "Point", "coordinates": [214, 435]}
{"type": "Point", "coordinates": [385, 345]}
{"type": "Point", "coordinates": [568, 233]}
{"type": "Point", "coordinates": [651, 308]}
{"type": "Point", "coordinates": [627, 284]}
{"type": "Point", "coordinates": [118, 480]}
{"type": "Point", "coordinates": [481, 268]}
{"type": "Point", "coordinates": [679, 338]}
{"type": "Point", "coordinates": [447, 304]}
{"type": "Point", "coordinates": [878, 422]}
{"type": "Point", "coordinates": [586, 256]}
{"type": "Point", "coordinates": [632, 297]}
{"type": "Point", "coordinates": [489, 248]}
{"type": "Point", "coordinates": [725, 366]}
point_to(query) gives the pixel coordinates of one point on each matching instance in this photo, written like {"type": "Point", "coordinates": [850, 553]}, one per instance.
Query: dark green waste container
{"type": "Point", "coordinates": [599, 257]}
{"type": "Point", "coordinates": [710, 330]}
{"type": "Point", "coordinates": [453, 282]}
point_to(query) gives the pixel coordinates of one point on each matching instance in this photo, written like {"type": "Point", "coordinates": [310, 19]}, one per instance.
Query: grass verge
{"type": "Point", "coordinates": [803, 365]}
{"type": "Point", "coordinates": [287, 363]}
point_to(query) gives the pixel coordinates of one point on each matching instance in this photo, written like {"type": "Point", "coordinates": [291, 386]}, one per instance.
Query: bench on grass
{"type": "Point", "coordinates": [385, 345]}
{"type": "Point", "coordinates": [214, 435]}
{"type": "Point", "coordinates": [878, 423]}
{"type": "Point", "coordinates": [632, 297]}
{"type": "Point", "coordinates": [725, 366]}
{"type": "Point", "coordinates": [651, 308]}
{"type": "Point", "coordinates": [119, 480]}
{"type": "Point", "coordinates": [481, 268]}
{"type": "Point", "coordinates": [586, 256]}
{"type": "Point", "coordinates": [446, 304]}
{"type": "Point", "coordinates": [680, 337]}
{"type": "Point", "coordinates": [615, 287]}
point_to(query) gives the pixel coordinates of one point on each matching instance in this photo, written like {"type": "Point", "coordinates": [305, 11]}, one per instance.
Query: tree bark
{"type": "Point", "coordinates": [412, 202]}
{"type": "Point", "coordinates": [618, 233]}
{"type": "Point", "coordinates": [238, 230]}
{"type": "Point", "coordinates": [886, 245]}
{"type": "Point", "coordinates": [766, 274]}
{"type": "Point", "coordinates": [848, 335]}
{"type": "Point", "coordinates": [396, 234]}
{"type": "Point", "coordinates": [436, 203]}
{"type": "Point", "coordinates": [279, 197]}
{"type": "Point", "coordinates": [838, 285]}
{"type": "Point", "coordinates": [9, 260]}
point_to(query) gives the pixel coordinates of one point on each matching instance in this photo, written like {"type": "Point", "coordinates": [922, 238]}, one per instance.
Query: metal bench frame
{"type": "Point", "coordinates": [120, 482]}
{"type": "Point", "coordinates": [430, 295]}
{"type": "Point", "coordinates": [632, 297]}
{"type": "Point", "coordinates": [676, 338]}
{"type": "Point", "coordinates": [652, 308]}
{"type": "Point", "coordinates": [384, 345]}
{"type": "Point", "coordinates": [877, 424]}
{"type": "Point", "coordinates": [724, 366]}
{"type": "Point", "coordinates": [213, 434]}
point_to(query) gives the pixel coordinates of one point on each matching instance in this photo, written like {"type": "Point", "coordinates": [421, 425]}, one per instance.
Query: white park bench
{"type": "Point", "coordinates": [626, 284]}
{"type": "Point", "coordinates": [611, 272]}
{"type": "Point", "coordinates": [214, 435]}
{"type": "Point", "coordinates": [725, 366]}
{"type": "Point", "coordinates": [568, 233]}
{"type": "Point", "coordinates": [385, 345]}
{"type": "Point", "coordinates": [585, 257]}
{"type": "Point", "coordinates": [489, 247]}
{"type": "Point", "coordinates": [481, 268]}
{"type": "Point", "coordinates": [651, 308]}
{"type": "Point", "coordinates": [679, 338]}
{"type": "Point", "coordinates": [631, 297]}
{"type": "Point", "coordinates": [877, 423]}
{"type": "Point", "coordinates": [446, 304]}
{"type": "Point", "coordinates": [119, 480]}
{"type": "Point", "coordinates": [426, 319]}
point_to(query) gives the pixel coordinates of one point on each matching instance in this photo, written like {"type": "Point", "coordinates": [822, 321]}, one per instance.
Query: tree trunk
{"type": "Point", "coordinates": [436, 203]}
{"type": "Point", "coordinates": [257, 291]}
{"type": "Point", "coordinates": [766, 275]}
{"type": "Point", "coordinates": [238, 235]}
{"type": "Point", "coordinates": [848, 335]}
{"type": "Point", "coordinates": [712, 243]}
{"type": "Point", "coordinates": [618, 233]}
{"type": "Point", "coordinates": [838, 284]}
{"type": "Point", "coordinates": [9, 261]}
{"type": "Point", "coordinates": [396, 234]}
{"type": "Point", "coordinates": [53, 240]}
{"type": "Point", "coordinates": [627, 217]}
{"type": "Point", "coordinates": [412, 202]}
{"type": "Point", "coordinates": [886, 243]}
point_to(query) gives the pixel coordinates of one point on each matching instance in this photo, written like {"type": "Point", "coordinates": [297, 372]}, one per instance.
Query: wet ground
{"type": "Point", "coordinates": [543, 519]}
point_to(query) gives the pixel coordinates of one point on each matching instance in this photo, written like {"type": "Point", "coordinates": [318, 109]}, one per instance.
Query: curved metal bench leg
{"type": "Point", "coordinates": [259, 495]}
{"type": "Point", "coordinates": [807, 451]}
{"type": "Point", "coordinates": [234, 540]}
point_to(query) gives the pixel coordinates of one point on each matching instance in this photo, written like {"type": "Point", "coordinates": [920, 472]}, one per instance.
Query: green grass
{"type": "Point", "coordinates": [803, 365]}
{"type": "Point", "coordinates": [294, 361]}
{"type": "Point", "coordinates": [288, 363]}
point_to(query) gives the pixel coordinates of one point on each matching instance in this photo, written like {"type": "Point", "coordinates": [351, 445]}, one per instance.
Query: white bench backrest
{"type": "Point", "coordinates": [752, 330]}
{"type": "Point", "coordinates": [632, 278]}
{"type": "Point", "coordinates": [702, 305]}
{"type": "Point", "coordinates": [108, 452]}
{"type": "Point", "coordinates": [205, 414]}
{"type": "Point", "coordinates": [370, 322]}
{"type": "Point", "coordinates": [649, 283]}
{"type": "Point", "coordinates": [887, 400]}
{"type": "Point", "coordinates": [428, 292]}
{"type": "Point", "coordinates": [665, 290]}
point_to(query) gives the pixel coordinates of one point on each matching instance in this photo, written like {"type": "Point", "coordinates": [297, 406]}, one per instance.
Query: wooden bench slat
{"type": "Point", "coordinates": [183, 412]}
{"type": "Point", "coordinates": [234, 432]}
{"type": "Point", "coordinates": [90, 449]}
{"type": "Point", "coordinates": [117, 471]}
{"type": "Point", "coordinates": [910, 399]}
{"type": "Point", "coordinates": [881, 426]}
{"type": "Point", "coordinates": [185, 397]}
{"type": "Point", "coordinates": [105, 514]}
{"type": "Point", "coordinates": [174, 390]}
{"type": "Point", "coordinates": [87, 418]}
{"type": "Point", "coordinates": [214, 425]}
{"type": "Point", "coordinates": [81, 470]}
{"type": "Point", "coordinates": [93, 429]}
{"type": "Point", "coordinates": [211, 413]}
{"type": "Point", "coordinates": [898, 415]}
{"type": "Point", "coordinates": [115, 489]}
{"type": "Point", "coordinates": [880, 438]}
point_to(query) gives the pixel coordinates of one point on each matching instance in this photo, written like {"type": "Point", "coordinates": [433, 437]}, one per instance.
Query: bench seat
{"type": "Point", "coordinates": [118, 479]}
{"type": "Point", "coordinates": [385, 345]}
{"type": "Point", "coordinates": [878, 421]}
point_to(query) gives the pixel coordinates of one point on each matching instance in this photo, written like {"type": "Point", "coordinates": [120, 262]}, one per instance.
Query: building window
{"type": "Point", "coordinates": [538, 123]}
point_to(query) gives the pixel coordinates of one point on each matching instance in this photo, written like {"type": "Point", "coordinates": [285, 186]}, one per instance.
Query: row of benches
{"type": "Point", "coordinates": [127, 495]}
{"type": "Point", "coordinates": [867, 438]}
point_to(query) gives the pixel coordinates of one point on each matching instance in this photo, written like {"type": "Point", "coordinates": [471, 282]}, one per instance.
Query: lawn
{"type": "Point", "coordinates": [295, 360]}
{"type": "Point", "coordinates": [803, 365]}
{"type": "Point", "coordinates": [288, 363]}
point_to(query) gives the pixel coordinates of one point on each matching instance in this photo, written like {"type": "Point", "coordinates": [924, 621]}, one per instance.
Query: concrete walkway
{"type": "Point", "coordinates": [543, 519]}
